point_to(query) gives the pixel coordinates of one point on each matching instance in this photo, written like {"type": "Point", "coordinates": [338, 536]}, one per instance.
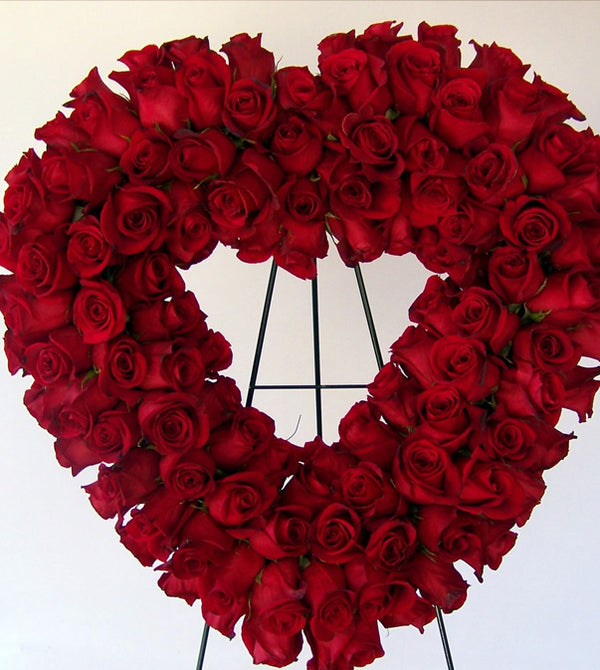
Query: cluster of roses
{"type": "Point", "coordinates": [394, 147]}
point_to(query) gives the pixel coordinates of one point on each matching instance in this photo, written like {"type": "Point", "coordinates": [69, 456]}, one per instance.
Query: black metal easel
{"type": "Point", "coordinates": [317, 386]}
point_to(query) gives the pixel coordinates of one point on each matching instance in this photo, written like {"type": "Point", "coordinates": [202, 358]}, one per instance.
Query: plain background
{"type": "Point", "coordinates": [72, 596]}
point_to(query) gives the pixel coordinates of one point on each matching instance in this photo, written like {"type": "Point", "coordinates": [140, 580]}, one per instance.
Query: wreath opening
{"type": "Point", "coordinates": [394, 147]}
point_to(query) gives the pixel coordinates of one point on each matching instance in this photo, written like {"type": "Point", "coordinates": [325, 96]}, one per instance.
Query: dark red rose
{"type": "Point", "coordinates": [365, 436]}
{"type": "Point", "coordinates": [199, 157]}
{"type": "Point", "coordinates": [412, 351]}
{"type": "Point", "coordinates": [216, 352]}
{"type": "Point", "coordinates": [391, 544]}
{"type": "Point", "coordinates": [471, 224]}
{"type": "Point", "coordinates": [443, 39]}
{"type": "Point", "coordinates": [179, 316]}
{"type": "Point", "coordinates": [249, 110]}
{"type": "Point", "coordinates": [127, 483]}
{"type": "Point", "coordinates": [134, 217]}
{"type": "Point", "coordinates": [494, 176]}
{"type": "Point", "coordinates": [434, 195]}
{"type": "Point", "coordinates": [98, 311]}
{"type": "Point", "coordinates": [335, 533]}
{"type": "Point", "coordinates": [368, 491]}
{"type": "Point", "coordinates": [62, 133]}
{"type": "Point", "coordinates": [433, 308]}
{"type": "Point", "coordinates": [28, 204]}
{"type": "Point", "coordinates": [173, 422]}
{"type": "Point", "coordinates": [297, 145]}
{"type": "Point", "coordinates": [534, 224]}
{"type": "Point", "coordinates": [331, 602]}
{"type": "Point", "coordinates": [182, 367]}
{"type": "Point", "coordinates": [144, 540]}
{"type": "Point", "coordinates": [122, 366]}
{"type": "Point", "coordinates": [150, 83]}
{"type": "Point", "coordinates": [439, 582]}
{"type": "Point", "coordinates": [248, 59]}
{"type": "Point", "coordinates": [358, 76]}
{"type": "Point", "coordinates": [63, 356]}
{"type": "Point", "coordinates": [457, 117]}
{"type": "Point", "coordinates": [240, 497]}
{"type": "Point", "coordinates": [515, 274]}
{"type": "Point", "coordinates": [244, 200]}
{"type": "Point", "coordinates": [395, 397]}
{"type": "Point", "coordinates": [146, 158]}
{"type": "Point", "coordinates": [77, 175]}
{"type": "Point", "coordinates": [547, 348]}
{"type": "Point", "coordinates": [249, 434]}
{"type": "Point", "coordinates": [104, 115]}
{"type": "Point", "coordinates": [188, 476]}
{"type": "Point", "coordinates": [425, 473]}
{"type": "Point", "coordinates": [42, 268]}
{"type": "Point", "coordinates": [423, 150]}
{"type": "Point", "coordinates": [149, 277]}
{"type": "Point", "coordinates": [442, 255]}
{"type": "Point", "coordinates": [523, 105]}
{"type": "Point", "coordinates": [500, 492]}
{"type": "Point", "coordinates": [203, 79]}
{"type": "Point", "coordinates": [272, 629]}
{"type": "Point", "coordinates": [114, 433]}
{"type": "Point", "coordinates": [88, 252]}
{"type": "Point", "coordinates": [464, 363]}
{"type": "Point", "coordinates": [480, 313]}
{"type": "Point", "coordinates": [415, 71]}
{"type": "Point", "coordinates": [373, 143]}
{"type": "Point", "coordinates": [299, 89]}
{"type": "Point", "coordinates": [282, 534]}
{"type": "Point", "coordinates": [227, 597]}
{"type": "Point", "coordinates": [190, 237]}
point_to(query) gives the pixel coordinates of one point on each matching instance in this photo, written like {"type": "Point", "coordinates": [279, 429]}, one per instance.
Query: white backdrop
{"type": "Point", "coordinates": [72, 596]}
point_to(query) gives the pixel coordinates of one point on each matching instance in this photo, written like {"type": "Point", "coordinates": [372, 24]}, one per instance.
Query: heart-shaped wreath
{"type": "Point", "coordinates": [393, 148]}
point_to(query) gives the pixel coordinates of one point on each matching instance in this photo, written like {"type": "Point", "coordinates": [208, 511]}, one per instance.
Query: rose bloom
{"type": "Point", "coordinates": [173, 422]}
{"type": "Point", "coordinates": [535, 224]}
{"type": "Point", "coordinates": [88, 252]}
{"type": "Point", "coordinates": [249, 111]}
{"type": "Point", "coordinates": [335, 533]}
{"type": "Point", "coordinates": [98, 311]}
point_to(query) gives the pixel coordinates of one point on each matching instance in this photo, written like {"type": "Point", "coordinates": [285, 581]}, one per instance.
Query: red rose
{"type": "Point", "coordinates": [179, 316]}
{"type": "Point", "coordinates": [198, 157]}
{"type": "Point", "coordinates": [182, 367]}
{"type": "Point", "coordinates": [203, 79]}
{"type": "Point", "coordinates": [190, 237]}
{"type": "Point", "coordinates": [27, 201]}
{"type": "Point", "coordinates": [248, 59]}
{"type": "Point", "coordinates": [372, 141]}
{"type": "Point", "coordinates": [425, 473]}
{"type": "Point", "coordinates": [282, 534]}
{"type": "Point", "coordinates": [415, 71]}
{"type": "Point", "coordinates": [443, 39]}
{"type": "Point", "coordinates": [188, 476]}
{"type": "Point", "coordinates": [149, 277]}
{"type": "Point", "coordinates": [549, 349]}
{"type": "Point", "coordinates": [330, 600]}
{"type": "Point", "coordinates": [88, 252]}
{"type": "Point", "coordinates": [122, 366]}
{"type": "Point", "coordinates": [299, 89]}
{"type": "Point", "coordinates": [114, 433]}
{"type": "Point", "coordinates": [493, 175]}
{"type": "Point", "coordinates": [244, 200]}
{"type": "Point", "coordinates": [297, 145]}
{"type": "Point", "coordinates": [457, 116]}
{"type": "Point", "coordinates": [249, 434]}
{"type": "Point", "coordinates": [146, 158]}
{"type": "Point", "coordinates": [534, 224]}
{"type": "Point", "coordinates": [479, 313]}
{"type": "Point", "coordinates": [240, 497]}
{"type": "Point", "coordinates": [76, 175]}
{"type": "Point", "coordinates": [439, 582]}
{"type": "Point", "coordinates": [133, 219]}
{"type": "Point", "coordinates": [150, 83]}
{"type": "Point", "coordinates": [395, 397]}
{"type": "Point", "coordinates": [249, 111]}
{"type": "Point", "coordinates": [524, 105]}
{"type": "Point", "coordinates": [98, 311]}
{"type": "Point", "coordinates": [515, 274]}
{"type": "Point", "coordinates": [272, 629]}
{"type": "Point", "coordinates": [368, 491]}
{"type": "Point", "coordinates": [500, 492]}
{"type": "Point", "coordinates": [434, 195]}
{"type": "Point", "coordinates": [423, 150]}
{"type": "Point", "coordinates": [42, 268]}
{"type": "Point", "coordinates": [335, 534]}
{"type": "Point", "coordinates": [391, 544]}
{"type": "Point", "coordinates": [63, 356]}
{"type": "Point", "coordinates": [173, 422]}
{"type": "Point", "coordinates": [104, 115]}
{"type": "Point", "coordinates": [127, 483]}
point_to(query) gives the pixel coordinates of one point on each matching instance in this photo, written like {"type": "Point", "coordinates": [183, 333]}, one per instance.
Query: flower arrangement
{"type": "Point", "coordinates": [393, 148]}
